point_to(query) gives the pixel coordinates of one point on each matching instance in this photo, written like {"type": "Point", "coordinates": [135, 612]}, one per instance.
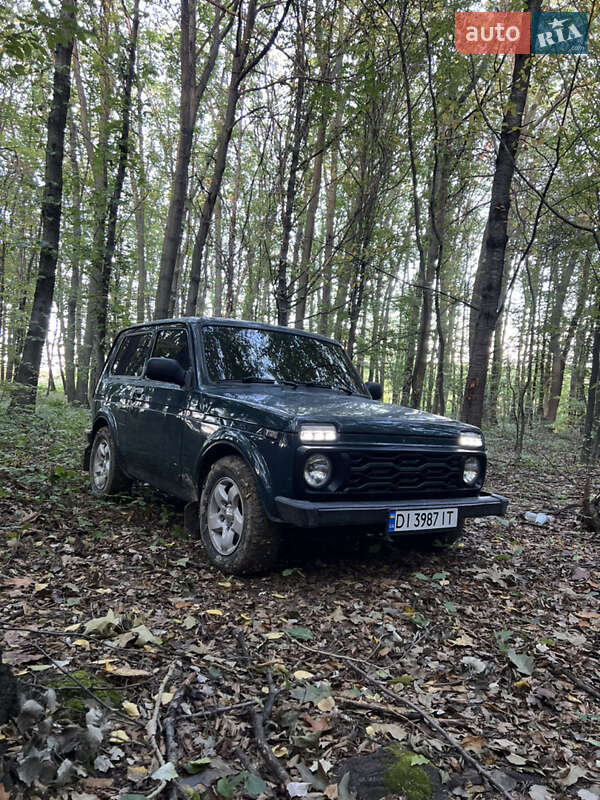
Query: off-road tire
{"type": "Point", "coordinates": [260, 540]}
{"type": "Point", "coordinates": [116, 481]}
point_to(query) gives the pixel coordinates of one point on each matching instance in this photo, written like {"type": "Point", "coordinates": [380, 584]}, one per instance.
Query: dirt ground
{"type": "Point", "coordinates": [484, 659]}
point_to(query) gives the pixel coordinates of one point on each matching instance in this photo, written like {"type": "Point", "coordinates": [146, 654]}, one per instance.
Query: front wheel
{"type": "Point", "coordinates": [106, 477]}
{"type": "Point", "coordinates": [236, 533]}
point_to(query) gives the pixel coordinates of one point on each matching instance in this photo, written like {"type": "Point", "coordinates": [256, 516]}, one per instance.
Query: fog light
{"type": "Point", "coordinates": [317, 470]}
{"type": "Point", "coordinates": [471, 471]}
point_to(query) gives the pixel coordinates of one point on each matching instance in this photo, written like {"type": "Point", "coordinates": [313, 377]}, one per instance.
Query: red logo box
{"type": "Point", "coordinates": [484, 32]}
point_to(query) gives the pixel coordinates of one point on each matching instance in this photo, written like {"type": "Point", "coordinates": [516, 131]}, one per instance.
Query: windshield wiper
{"type": "Point", "coordinates": [318, 385]}
{"type": "Point", "coordinates": [247, 379]}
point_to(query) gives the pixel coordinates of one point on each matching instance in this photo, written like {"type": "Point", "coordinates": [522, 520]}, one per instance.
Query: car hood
{"type": "Point", "coordinates": [286, 409]}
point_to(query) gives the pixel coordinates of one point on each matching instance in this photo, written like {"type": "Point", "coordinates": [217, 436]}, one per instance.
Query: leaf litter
{"type": "Point", "coordinates": [497, 639]}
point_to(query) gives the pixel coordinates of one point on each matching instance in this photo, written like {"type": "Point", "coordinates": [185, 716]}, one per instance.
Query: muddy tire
{"type": "Point", "coordinates": [106, 477]}
{"type": "Point", "coordinates": [237, 535]}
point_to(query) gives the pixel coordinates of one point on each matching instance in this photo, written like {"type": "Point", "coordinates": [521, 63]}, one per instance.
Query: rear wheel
{"type": "Point", "coordinates": [106, 477]}
{"type": "Point", "coordinates": [236, 533]}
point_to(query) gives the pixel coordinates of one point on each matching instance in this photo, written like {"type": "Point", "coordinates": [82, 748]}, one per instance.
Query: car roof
{"type": "Point", "coordinates": [238, 323]}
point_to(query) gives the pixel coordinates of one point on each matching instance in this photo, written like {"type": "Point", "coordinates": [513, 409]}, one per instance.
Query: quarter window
{"type": "Point", "coordinates": [132, 354]}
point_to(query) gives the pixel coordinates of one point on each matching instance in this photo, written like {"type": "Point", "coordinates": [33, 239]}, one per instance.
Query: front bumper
{"type": "Point", "coordinates": [306, 514]}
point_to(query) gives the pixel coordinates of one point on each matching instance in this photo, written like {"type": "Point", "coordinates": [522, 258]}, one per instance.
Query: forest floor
{"type": "Point", "coordinates": [497, 640]}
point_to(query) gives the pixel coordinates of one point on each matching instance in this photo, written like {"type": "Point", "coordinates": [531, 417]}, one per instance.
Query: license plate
{"type": "Point", "coordinates": [422, 519]}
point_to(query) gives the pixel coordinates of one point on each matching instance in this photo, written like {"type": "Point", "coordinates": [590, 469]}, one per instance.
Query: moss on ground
{"type": "Point", "coordinates": [405, 775]}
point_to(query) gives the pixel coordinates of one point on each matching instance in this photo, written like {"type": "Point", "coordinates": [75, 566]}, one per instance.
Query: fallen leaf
{"type": "Point", "coordinates": [462, 641]}
{"type": "Point", "coordinates": [474, 743]}
{"type": "Point", "coordinates": [214, 612]}
{"type": "Point", "coordinates": [131, 709]}
{"type": "Point", "coordinates": [326, 704]}
{"type": "Point", "coordinates": [574, 774]}
{"type": "Point", "coordinates": [297, 788]}
{"type": "Point", "coordinates": [119, 736]}
{"type": "Point", "coordinates": [538, 792]}
{"type": "Point", "coordinates": [127, 672]}
{"type": "Point", "coordinates": [522, 662]}
{"type": "Point", "coordinates": [393, 729]}
{"type": "Point", "coordinates": [303, 675]}
{"type": "Point", "coordinates": [516, 759]}
{"type": "Point", "coordinates": [165, 773]}
{"type": "Point", "coordinates": [299, 633]}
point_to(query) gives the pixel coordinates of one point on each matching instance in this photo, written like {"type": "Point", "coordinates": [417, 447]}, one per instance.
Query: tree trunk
{"type": "Point", "coordinates": [140, 216]}
{"type": "Point", "coordinates": [591, 410]}
{"type": "Point", "coordinates": [240, 55]}
{"type": "Point", "coordinates": [101, 308]}
{"type": "Point", "coordinates": [435, 235]}
{"type": "Point", "coordinates": [189, 99]}
{"type": "Point", "coordinates": [74, 288]}
{"type": "Point", "coordinates": [560, 349]}
{"type": "Point", "coordinates": [28, 372]}
{"type": "Point", "coordinates": [282, 296]}
{"type": "Point", "coordinates": [496, 238]}
{"type": "Point", "coordinates": [232, 232]}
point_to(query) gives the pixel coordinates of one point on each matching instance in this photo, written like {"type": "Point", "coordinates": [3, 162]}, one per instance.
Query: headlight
{"type": "Point", "coordinates": [471, 471]}
{"type": "Point", "coordinates": [470, 440]}
{"type": "Point", "coordinates": [318, 433]}
{"type": "Point", "coordinates": [317, 470]}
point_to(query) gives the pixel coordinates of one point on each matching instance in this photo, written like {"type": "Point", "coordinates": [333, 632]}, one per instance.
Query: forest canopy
{"type": "Point", "coordinates": [332, 165]}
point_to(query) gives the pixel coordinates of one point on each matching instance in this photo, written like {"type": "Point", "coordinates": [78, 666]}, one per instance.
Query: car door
{"type": "Point", "coordinates": [161, 415]}
{"type": "Point", "coordinates": [122, 389]}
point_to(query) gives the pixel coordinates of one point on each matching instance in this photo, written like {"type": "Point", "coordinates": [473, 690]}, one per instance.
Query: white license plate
{"type": "Point", "coordinates": [422, 519]}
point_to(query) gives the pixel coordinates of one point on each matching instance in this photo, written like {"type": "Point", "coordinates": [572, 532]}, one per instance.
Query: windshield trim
{"type": "Point", "coordinates": [209, 323]}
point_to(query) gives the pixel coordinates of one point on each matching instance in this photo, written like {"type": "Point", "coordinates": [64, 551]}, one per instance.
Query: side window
{"type": "Point", "coordinates": [173, 343]}
{"type": "Point", "coordinates": [132, 354]}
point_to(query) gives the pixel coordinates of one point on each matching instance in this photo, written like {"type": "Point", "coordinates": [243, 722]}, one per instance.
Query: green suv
{"type": "Point", "coordinates": [261, 428]}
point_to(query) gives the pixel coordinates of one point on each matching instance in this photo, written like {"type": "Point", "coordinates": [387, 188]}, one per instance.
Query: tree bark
{"type": "Point", "coordinates": [28, 372]}
{"type": "Point", "coordinates": [496, 238]}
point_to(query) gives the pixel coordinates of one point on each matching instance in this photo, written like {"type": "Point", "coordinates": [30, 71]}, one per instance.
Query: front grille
{"type": "Point", "coordinates": [404, 474]}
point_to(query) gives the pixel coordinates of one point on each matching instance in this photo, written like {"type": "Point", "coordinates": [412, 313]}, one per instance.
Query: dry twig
{"type": "Point", "coordinates": [260, 718]}
{"type": "Point", "coordinates": [152, 728]}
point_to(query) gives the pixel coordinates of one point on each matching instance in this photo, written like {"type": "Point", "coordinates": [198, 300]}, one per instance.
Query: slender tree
{"type": "Point", "coordinates": [29, 368]}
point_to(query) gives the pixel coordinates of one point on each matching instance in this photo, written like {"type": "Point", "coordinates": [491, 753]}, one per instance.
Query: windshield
{"type": "Point", "coordinates": [268, 356]}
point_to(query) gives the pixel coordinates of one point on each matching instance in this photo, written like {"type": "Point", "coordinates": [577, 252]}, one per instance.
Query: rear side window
{"type": "Point", "coordinates": [132, 354]}
{"type": "Point", "coordinates": [173, 343]}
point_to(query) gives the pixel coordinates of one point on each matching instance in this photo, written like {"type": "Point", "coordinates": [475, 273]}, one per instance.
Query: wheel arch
{"type": "Point", "coordinates": [238, 446]}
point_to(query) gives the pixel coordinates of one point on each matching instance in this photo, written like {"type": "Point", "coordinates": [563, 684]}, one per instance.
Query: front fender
{"type": "Point", "coordinates": [227, 440]}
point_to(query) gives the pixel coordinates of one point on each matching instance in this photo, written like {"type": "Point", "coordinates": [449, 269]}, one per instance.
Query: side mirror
{"type": "Point", "coordinates": [165, 369]}
{"type": "Point", "coordinates": [374, 389]}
